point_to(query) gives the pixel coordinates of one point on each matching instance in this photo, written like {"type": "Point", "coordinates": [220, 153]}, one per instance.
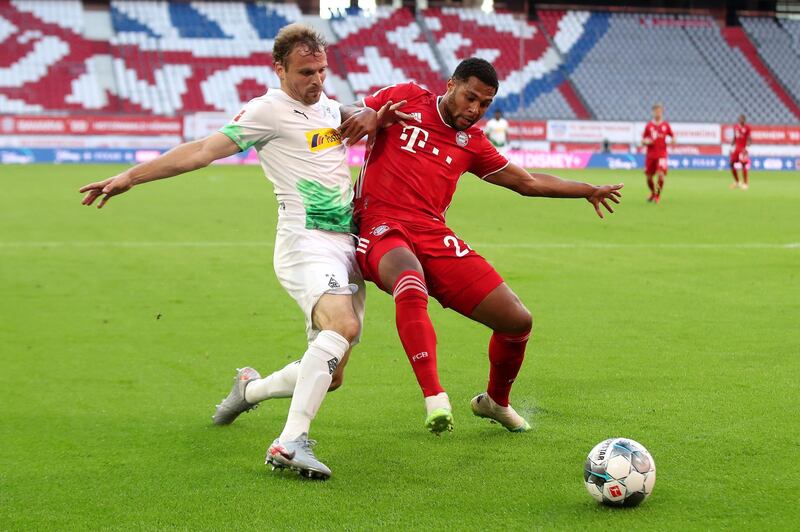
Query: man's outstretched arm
{"type": "Point", "coordinates": [515, 178]}
{"type": "Point", "coordinates": [179, 160]}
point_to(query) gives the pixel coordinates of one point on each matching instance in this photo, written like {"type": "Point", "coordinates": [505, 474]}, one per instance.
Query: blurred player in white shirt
{"type": "Point", "coordinates": [497, 131]}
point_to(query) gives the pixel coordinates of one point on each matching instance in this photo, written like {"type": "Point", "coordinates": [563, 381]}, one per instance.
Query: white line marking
{"type": "Point", "coordinates": [532, 245]}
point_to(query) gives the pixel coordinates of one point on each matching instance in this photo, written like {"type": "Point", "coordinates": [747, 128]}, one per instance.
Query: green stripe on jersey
{"type": "Point", "coordinates": [234, 132]}
{"type": "Point", "coordinates": [325, 207]}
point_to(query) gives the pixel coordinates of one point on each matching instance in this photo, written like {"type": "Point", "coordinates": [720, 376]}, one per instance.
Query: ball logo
{"type": "Point", "coordinates": [615, 491]}
{"type": "Point", "coordinates": [462, 139]}
{"type": "Point", "coordinates": [380, 230]}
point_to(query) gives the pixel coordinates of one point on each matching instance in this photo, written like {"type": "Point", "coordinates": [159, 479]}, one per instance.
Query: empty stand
{"type": "Point", "coordinates": [527, 65]}
{"type": "Point", "coordinates": [46, 64]}
{"type": "Point", "coordinates": [778, 44]}
{"type": "Point", "coordinates": [174, 57]}
{"type": "Point", "coordinates": [387, 48]}
{"type": "Point", "coordinates": [750, 89]}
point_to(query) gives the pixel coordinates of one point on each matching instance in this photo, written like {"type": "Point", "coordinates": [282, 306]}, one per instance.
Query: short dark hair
{"type": "Point", "coordinates": [479, 68]}
{"type": "Point", "coordinates": [296, 35]}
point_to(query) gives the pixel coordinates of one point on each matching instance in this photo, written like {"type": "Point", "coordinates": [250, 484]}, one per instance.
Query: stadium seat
{"type": "Point", "coordinates": [778, 44]}
{"type": "Point", "coordinates": [386, 48]}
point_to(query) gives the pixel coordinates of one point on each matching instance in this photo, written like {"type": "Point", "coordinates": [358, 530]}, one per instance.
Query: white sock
{"type": "Point", "coordinates": [278, 384]}
{"type": "Point", "coordinates": [313, 379]}
{"type": "Point", "coordinates": [439, 400]}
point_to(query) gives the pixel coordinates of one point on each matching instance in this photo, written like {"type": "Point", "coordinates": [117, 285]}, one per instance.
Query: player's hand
{"type": "Point", "coordinates": [602, 195]}
{"type": "Point", "coordinates": [367, 121]}
{"type": "Point", "coordinates": [107, 188]}
{"type": "Point", "coordinates": [389, 115]}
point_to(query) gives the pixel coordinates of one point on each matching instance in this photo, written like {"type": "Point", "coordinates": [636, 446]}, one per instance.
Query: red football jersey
{"type": "Point", "coordinates": [658, 133]}
{"type": "Point", "coordinates": [411, 171]}
{"type": "Point", "coordinates": [741, 134]}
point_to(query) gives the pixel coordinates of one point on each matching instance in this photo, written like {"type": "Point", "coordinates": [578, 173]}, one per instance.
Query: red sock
{"type": "Point", "coordinates": [735, 175]}
{"type": "Point", "coordinates": [744, 174]}
{"type": "Point", "coordinates": [416, 330]}
{"type": "Point", "coordinates": [651, 185]}
{"type": "Point", "coordinates": [660, 186]}
{"type": "Point", "coordinates": [506, 352]}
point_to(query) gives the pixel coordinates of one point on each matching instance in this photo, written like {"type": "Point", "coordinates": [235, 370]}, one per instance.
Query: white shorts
{"type": "Point", "coordinates": [312, 262]}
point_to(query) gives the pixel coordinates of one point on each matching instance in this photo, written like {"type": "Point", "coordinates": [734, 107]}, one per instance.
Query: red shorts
{"type": "Point", "coordinates": [456, 276]}
{"type": "Point", "coordinates": [655, 164]}
{"type": "Point", "coordinates": [739, 156]}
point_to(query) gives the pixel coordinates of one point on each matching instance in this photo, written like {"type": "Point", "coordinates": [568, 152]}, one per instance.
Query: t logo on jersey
{"type": "Point", "coordinates": [322, 139]}
{"type": "Point", "coordinates": [413, 138]}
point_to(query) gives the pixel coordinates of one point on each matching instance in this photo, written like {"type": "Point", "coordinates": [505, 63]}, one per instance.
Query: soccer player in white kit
{"type": "Point", "coordinates": [497, 131]}
{"type": "Point", "coordinates": [296, 133]}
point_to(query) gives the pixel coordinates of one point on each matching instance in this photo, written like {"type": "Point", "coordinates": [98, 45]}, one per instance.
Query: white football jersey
{"type": "Point", "coordinates": [497, 131]}
{"type": "Point", "coordinates": [302, 155]}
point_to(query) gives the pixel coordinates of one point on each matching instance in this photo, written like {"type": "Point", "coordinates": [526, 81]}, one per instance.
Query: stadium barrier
{"type": "Point", "coordinates": [524, 158]}
{"type": "Point", "coordinates": [537, 144]}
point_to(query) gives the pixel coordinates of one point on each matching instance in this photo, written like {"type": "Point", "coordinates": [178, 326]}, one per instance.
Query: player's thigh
{"type": "Point", "coordinates": [313, 266]}
{"type": "Point", "coordinates": [385, 250]}
{"type": "Point", "coordinates": [663, 166]}
{"type": "Point", "coordinates": [456, 275]}
{"type": "Point", "coordinates": [650, 166]}
{"type": "Point", "coordinates": [503, 311]}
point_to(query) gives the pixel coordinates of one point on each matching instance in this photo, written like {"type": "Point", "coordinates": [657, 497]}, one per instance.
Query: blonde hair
{"type": "Point", "coordinates": [296, 35]}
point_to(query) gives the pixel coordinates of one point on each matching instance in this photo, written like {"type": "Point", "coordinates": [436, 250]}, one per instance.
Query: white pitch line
{"type": "Point", "coordinates": [520, 245]}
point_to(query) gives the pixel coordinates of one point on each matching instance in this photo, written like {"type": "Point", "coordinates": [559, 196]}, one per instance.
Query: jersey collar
{"type": "Point", "coordinates": [439, 112]}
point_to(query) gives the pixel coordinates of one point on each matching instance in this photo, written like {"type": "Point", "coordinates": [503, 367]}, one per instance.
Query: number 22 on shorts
{"type": "Point", "coordinates": [451, 241]}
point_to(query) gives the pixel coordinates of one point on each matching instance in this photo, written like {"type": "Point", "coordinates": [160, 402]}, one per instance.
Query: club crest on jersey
{"type": "Point", "coordinates": [462, 139]}
{"type": "Point", "coordinates": [322, 139]}
{"type": "Point", "coordinates": [380, 230]}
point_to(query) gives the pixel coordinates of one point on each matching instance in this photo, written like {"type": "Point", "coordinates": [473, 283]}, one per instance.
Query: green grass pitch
{"type": "Point", "coordinates": [676, 325]}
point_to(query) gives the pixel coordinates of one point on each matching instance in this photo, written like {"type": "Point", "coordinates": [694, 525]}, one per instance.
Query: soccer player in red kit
{"type": "Point", "coordinates": [655, 138]}
{"type": "Point", "coordinates": [741, 140]}
{"type": "Point", "coordinates": [406, 249]}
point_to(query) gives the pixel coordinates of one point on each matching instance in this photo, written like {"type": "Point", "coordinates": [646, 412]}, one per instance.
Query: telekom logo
{"type": "Point", "coordinates": [413, 138]}
{"type": "Point", "coordinates": [615, 491]}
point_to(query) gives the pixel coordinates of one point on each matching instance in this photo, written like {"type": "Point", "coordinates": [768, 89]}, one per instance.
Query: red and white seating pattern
{"type": "Point", "coordinates": [388, 48]}
{"type": "Point", "coordinates": [518, 50]}
{"type": "Point", "coordinates": [168, 73]}
{"type": "Point", "coordinates": [46, 64]}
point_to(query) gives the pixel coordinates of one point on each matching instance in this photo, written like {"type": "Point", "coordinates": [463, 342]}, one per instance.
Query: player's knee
{"type": "Point", "coordinates": [519, 320]}
{"type": "Point", "coordinates": [523, 320]}
{"type": "Point", "coordinates": [348, 327]}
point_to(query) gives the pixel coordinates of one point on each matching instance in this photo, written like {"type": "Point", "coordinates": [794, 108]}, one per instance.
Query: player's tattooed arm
{"type": "Point", "coordinates": [359, 120]}
{"type": "Point", "coordinates": [179, 160]}
{"type": "Point", "coordinates": [537, 184]}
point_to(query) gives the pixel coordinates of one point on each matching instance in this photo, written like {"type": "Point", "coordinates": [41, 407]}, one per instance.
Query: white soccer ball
{"type": "Point", "coordinates": [619, 472]}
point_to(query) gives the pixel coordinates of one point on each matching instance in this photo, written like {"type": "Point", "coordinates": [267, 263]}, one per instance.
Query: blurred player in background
{"type": "Point", "coordinates": [741, 140]}
{"type": "Point", "coordinates": [294, 130]}
{"type": "Point", "coordinates": [407, 250]}
{"type": "Point", "coordinates": [497, 131]}
{"type": "Point", "coordinates": [655, 139]}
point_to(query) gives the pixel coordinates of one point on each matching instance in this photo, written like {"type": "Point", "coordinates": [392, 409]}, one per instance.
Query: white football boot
{"type": "Point", "coordinates": [440, 414]}
{"type": "Point", "coordinates": [233, 405]}
{"type": "Point", "coordinates": [298, 456]}
{"type": "Point", "coordinates": [484, 406]}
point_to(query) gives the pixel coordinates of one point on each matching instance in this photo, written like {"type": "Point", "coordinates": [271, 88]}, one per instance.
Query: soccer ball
{"type": "Point", "coordinates": [619, 472]}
